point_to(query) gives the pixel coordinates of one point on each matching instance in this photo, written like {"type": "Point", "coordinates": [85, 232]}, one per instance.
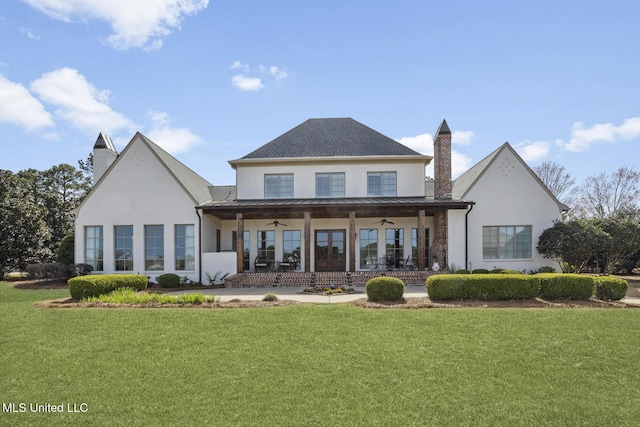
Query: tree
{"type": "Point", "coordinates": [559, 182]}
{"type": "Point", "coordinates": [23, 232]}
{"type": "Point", "coordinates": [605, 196]}
{"type": "Point", "coordinates": [572, 244]}
{"type": "Point", "coordinates": [621, 248]}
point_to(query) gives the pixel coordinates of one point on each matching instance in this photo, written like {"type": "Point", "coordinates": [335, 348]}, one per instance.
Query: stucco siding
{"type": "Point", "coordinates": [508, 195]}
{"type": "Point", "coordinates": [138, 191]}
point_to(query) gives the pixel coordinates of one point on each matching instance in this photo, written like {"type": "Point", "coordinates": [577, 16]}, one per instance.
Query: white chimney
{"type": "Point", "coordinates": [104, 154]}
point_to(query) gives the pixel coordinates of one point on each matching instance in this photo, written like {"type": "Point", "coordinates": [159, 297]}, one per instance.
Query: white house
{"type": "Point", "coordinates": [328, 195]}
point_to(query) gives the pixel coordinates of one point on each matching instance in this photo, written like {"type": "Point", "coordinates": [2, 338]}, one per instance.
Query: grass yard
{"type": "Point", "coordinates": [318, 365]}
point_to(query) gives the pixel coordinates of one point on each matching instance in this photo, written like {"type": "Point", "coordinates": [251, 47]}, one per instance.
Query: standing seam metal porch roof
{"type": "Point", "coordinates": [332, 137]}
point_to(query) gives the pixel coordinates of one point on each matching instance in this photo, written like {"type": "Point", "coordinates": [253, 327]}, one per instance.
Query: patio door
{"type": "Point", "coordinates": [330, 254]}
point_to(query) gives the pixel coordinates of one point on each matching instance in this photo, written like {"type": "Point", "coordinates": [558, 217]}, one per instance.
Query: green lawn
{"type": "Point", "coordinates": [318, 365]}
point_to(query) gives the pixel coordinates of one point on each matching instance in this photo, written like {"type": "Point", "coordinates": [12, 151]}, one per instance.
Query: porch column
{"type": "Point", "coordinates": [352, 241]}
{"type": "Point", "coordinates": [421, 240]}
{"type": "Point", "coordinates": [307, 242]}
{"type": "Point", "coordinates": [240, 243]}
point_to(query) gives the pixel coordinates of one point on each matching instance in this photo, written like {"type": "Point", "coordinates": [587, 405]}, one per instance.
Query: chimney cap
{"type": "Point", "coordinates": [103, 141]}
{"type": "Point", "coordinates": [444, 128]}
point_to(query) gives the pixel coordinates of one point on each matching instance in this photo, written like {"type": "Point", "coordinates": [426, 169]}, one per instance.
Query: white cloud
{"type": "Point", "coordinates": [19, 107]}
{"type": "Point", "coordinates": [79, 102]}
{"type": "Point", "coordinates": [462, 137]}
{"type": "Point", "coordinates": [583, 138]}
{"type": "Point", "coordinates": [173, 140]}
{"type": "Point", "coordinates": [243, 82]}
{"type": "Point", "coordinates": [423, 144]}
{"type": "Point", "coordinates": [135, 24]}
{"type": "Point", "coordinates": [278, 73]}
{"type": "Point", "coordinates": [252, 78]}
{"type": "Point", "coordinates": [532, 151]}
{"type": "Point", "coordinates": [27, 32]}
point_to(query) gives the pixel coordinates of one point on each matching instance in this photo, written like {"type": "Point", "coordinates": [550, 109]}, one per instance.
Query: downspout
{"type": "Point", "coordinates": [466, 237]}
{"type": "Point", "coordinates": [199, 246]}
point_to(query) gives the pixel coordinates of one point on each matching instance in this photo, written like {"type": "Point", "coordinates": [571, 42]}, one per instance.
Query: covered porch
{"type": "Point", "coordinates": [330, 235]}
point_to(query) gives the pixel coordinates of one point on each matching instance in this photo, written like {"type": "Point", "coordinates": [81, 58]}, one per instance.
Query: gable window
{"type": "Point", "coordinates": [185, 247]}
{"type": "Point", "coordinates": [506, 242]}
{"type": "Point", "coordinates": [369, 248]}
{"type": "Point", "coordinates": [381, 184]}
{"type": "Point", "coordinates": [154, 247]}
{"type": "Point", "coordinates": [123, 244]}
{"type": "Point", "coordinates": [278, 186]}
{"type": "Point", "coordinates": [330, 185]}
{"type": "Point", "coordinates": [93, 249]}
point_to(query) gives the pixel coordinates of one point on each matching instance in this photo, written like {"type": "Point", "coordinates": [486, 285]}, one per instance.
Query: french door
{"type": "Point", "coordinates": [330, 254]}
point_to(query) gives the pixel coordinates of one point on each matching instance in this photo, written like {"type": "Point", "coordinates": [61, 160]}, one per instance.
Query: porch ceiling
{"type": "Point", "coordinates": [369, 207]}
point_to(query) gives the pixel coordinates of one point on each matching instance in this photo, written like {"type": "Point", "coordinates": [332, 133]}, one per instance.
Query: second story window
{"type": "Point", "coordinates": [381, 184]}
{"type": "Point", "coordinates": [278, 186]}
{"type": "Point", "coordinates": [330, 185]}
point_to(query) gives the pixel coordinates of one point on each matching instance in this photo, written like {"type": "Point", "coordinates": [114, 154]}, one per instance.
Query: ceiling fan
{"type": "Point", "coordinates": [384, 221]}
{"type": "Point", "coordinates": [277, 223]}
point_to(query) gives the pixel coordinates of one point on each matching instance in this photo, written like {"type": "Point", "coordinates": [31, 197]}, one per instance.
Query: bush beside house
{"type": "Point", "coordinates": [384, 289]}
{"type": "Point", "coordinates": [93, 286]}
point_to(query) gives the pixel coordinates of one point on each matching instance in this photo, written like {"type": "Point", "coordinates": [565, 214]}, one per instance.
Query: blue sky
{"type": "Point", "coordinates": [211, 81]}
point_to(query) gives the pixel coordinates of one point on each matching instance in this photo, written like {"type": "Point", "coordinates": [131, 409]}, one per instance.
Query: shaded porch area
{"type": "Point", "coordinates": [330, 232]}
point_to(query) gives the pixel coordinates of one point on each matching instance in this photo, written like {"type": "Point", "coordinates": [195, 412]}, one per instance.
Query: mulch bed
{"type": "Point", "coordinates": [405, 303]}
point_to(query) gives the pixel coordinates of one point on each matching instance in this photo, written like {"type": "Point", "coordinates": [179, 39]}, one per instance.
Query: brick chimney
{"type": "Point", "coordinates": [442, 162]}
{"type": "Point", "coordinates": [104, 154]}
{"type": "Point", "coordinates": [441, 191]}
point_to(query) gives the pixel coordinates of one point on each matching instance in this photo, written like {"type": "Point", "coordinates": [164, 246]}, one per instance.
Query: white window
{"type": "Point", "coordinates": [330, 185]}
{"type": "Point", "coordinates": [381, 184]}
{"type": "Point", "coordinates": [93, 247]}
{"type": "Point", "coordinates": [185, 247]}
{"type": "Point", "coordinates": [506, 242]}
{"type": "Point", "coordinates": [278, 186]}
{"type": "Point", "coordinates": [154, 247]}
{"type": "Point", "coordinates": [123, 244]}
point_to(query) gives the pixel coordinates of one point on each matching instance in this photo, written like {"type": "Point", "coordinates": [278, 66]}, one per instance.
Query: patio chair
{"type": "Point", "coordinates": [290, 262]}
{"type": "Point", "coordinates": [409, 265]}
{"type": "Point", "coordinates": [262, 262]}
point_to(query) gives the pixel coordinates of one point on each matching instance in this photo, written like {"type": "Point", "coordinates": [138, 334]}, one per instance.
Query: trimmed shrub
{"type": "Point", "coordinates": [510, 272]}
{"type": "Point", "coordinates": [83, 269]}
{"type": "Point", "coordinates": [480, 271]}
{"type": "Point", "coordinates": [497, 271]}
{"type": "Point", "coordinates": [384, 289]}
{"type": "Point", "coordinates": [611, 288]}
{"type": "Point", "coordinates": [48, 271]}
{"type": "Point", "coordinates": [270, 297]}
{"type": "Point", "coordinates": [463, 271]}
{"type": "Point", "coordinates": [565, 286]}
{"type": "Point", "coordinates": [93, 286]}
{"type": "Point", "coordinates": [482, 287]}
{"type": "Point", "coordinates": [169, 280]}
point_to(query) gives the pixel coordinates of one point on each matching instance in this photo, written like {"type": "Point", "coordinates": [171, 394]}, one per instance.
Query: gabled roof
{"type": "Point", "coordinates": [193, 184]}
{"type": "Point", "coordinates": [465, 182]}
{"type": "Point", "coordinates": [332, 137]}
{"type": "Point", "coordinates": [196, 186]}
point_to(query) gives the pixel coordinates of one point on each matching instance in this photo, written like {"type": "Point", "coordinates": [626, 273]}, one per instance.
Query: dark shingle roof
{"type": "Point", "coordinates": [342, 137]}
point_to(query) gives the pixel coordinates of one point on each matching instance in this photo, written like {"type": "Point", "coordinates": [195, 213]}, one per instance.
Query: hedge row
{"type": "Point", "coordinates": [94, 286]}
{"type": "Point", "coordinates": [499, 287]}
{"type": "Point", "coordinates": [482, 287]}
